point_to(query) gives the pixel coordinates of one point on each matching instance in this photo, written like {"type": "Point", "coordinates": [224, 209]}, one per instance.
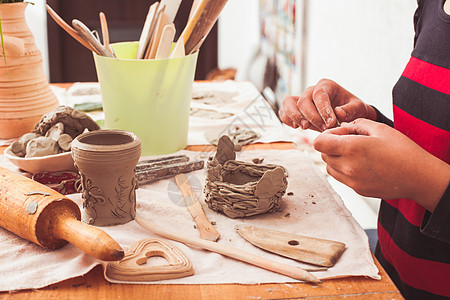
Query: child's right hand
{"type": "Point", "coordinates": [321, 107]}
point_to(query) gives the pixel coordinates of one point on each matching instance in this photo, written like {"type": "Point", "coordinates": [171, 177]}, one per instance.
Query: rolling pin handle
{"type": "Point", "coordinates": [89, 239]}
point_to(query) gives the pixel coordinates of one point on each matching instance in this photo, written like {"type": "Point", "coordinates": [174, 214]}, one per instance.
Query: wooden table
{"type": "Point", "coordinates": [94, 286]}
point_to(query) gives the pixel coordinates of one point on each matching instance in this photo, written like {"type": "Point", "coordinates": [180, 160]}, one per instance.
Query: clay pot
{"type": "Point", "coordinates": [25, 94]}
{"type": "Point", "coordinates": [106, 160]}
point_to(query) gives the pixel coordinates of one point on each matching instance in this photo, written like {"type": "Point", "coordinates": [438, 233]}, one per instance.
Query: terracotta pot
{"type": "Point", "coordinates": [25, 94]}
{"type": "Point", "coordinates": [106, 160]}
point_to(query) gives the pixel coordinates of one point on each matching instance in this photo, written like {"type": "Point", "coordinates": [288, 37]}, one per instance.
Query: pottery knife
{"type": "Point", "coordinates": [314, 251]}
{"type": "Point", "coordinates": [207, 230]}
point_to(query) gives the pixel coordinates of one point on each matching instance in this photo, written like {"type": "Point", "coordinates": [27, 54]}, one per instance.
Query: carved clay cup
{"type": "Point", "coordinates": [106, 161]}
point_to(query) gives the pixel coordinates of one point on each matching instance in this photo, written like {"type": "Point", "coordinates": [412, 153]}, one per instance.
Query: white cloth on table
{"type": "Point", "coordinates": [313, 210]}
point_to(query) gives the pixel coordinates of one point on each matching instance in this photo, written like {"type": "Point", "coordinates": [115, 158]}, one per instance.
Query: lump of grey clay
{"type": "Point", "coordinates": [75, 122]}
{"type": "Point", "coordinates": [65, 142]}
{"type": "Point", "coordinates": [41, 146]}
{"type": "Point", "coordinates": [55, 131]}
{"type": "Point", "coordinates": [19, 147]}
{"type": "Point", "coordinates": [240, 189]}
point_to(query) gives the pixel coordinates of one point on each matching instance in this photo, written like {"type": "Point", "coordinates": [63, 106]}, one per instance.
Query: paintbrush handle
{"type": "Point", "coordinates": [207, 230]}
{"type": "Point", "coordinates": [231, 252]}
{"type": "Point", "coordinates": [72, 32]}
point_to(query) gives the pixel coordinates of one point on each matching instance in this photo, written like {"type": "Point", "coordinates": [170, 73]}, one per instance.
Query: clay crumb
{"type": "Point", "coordinates": [195, 227]}
{"type": "Point", "coordinates": [290, 194]}
{"type": "Point", "coordinates": [257, 160]}
{"type": "Point", "coordinates": [213, 223]}
{"type": "Point", "coordinates": [32, 208]}
{"type": "Point", "coordinates": [287, 215]}
{"type": "Point", "coordinates": [314, 202]}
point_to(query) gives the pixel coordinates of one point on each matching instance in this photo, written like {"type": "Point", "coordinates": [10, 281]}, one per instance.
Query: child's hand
{"type": "Point", "coordinates": [321, 107]}
{"type": "Point", "coordinates": [378, 161]}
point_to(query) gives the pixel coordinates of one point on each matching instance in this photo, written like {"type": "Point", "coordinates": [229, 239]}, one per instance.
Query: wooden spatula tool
{"type": "Point", "coordinates": [207, 230]}
{"type": "Point", "coordinates": [45, 217]}
{"type": "Point", "coordinates": [315, 251]}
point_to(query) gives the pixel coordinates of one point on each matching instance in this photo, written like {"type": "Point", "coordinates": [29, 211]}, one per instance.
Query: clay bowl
{"type": "Point", "coordinates": [49, 163]}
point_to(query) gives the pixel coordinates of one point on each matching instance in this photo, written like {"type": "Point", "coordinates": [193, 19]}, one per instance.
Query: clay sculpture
{"type": "Point", "coordinates": [106, 161]}
{"type": "Point", "coordinates": [240, 189]}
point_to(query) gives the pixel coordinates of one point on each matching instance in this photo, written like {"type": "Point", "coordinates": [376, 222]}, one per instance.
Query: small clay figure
{"type": "Point", "coordinates": [41, 146]}
{"type": "Point", "coordinates": [75, 122]}
{"type": "Point", "coordinates": [241, 189]}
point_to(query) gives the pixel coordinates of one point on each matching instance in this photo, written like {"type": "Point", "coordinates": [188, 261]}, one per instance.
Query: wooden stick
{"type": "Point", "coordinates": [147, 31]}
{"type": "Point", "coordinates": [87, 35]}
{"type": "Point", "coordinates": [105, 31]}
{"type": "Point", "coordinates": [231, 252]}
{"type": "Point", "coordinates": [72, 32]}
{"type": "Point", "coordinates": [194, 7]}
{"type": "Point", "coordinates": [207, 230]}
{"type": "Point", "coordinates": [200, 25]}
{"type": "Point", "coordinates": [178, 49]}
{"type": "Point", "coordinates": [165, 43]}
{"type": "Point", "coordinates": [172, 7]}
{"type": "Point", "coordinates": [154, 43]}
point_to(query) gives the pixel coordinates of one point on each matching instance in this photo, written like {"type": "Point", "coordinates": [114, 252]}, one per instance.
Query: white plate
{"type": "Point", "coordinates": [49, 163]}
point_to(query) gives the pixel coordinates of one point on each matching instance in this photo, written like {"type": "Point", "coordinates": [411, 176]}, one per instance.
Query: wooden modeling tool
{"type": "Point", "coordinates": [45, 217]}
{"type": "Point", "coordinates": [172, 7]}
{"type": "Point", "coordinates": [85, 33]}
{"type": "Point", "coordinates": [134, 268]}
{"type": "Point", "coordinates": [314, 251]}
{"type": "Point", "coordinates": [72, 32]}
{"type": "Point", "coordinates": [154, 42]}
{"type": "Point", "coordinates": [201, 23]}
{"type": "Point", "coordinates": [165, 43]}
{"type": "Point", "coordinates": [194, 7]}
{"type": "Point", "coordinates": [231, 252]}
{"type": "Point", "coordinates": [105, 32]}
{"type": "Point", "coordinates": [156, 169]}
{"type": "Point", "coordinates": [178, 49]}
{"type": "Point", "coordinates": [147, 31]}
{"type": "Point", "coordinates": [207, 230]}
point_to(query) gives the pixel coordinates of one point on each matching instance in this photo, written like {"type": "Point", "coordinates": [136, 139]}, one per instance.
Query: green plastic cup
{"type": "Point", "coordinates": [148, 97]}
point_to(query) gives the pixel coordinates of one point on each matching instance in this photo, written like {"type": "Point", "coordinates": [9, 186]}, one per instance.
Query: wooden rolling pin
{"type": "Point", "coordinates": [45, 217]}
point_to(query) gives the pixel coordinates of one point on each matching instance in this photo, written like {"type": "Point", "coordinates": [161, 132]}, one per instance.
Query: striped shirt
{"type": "Point", "coordinates": [414, 244]}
